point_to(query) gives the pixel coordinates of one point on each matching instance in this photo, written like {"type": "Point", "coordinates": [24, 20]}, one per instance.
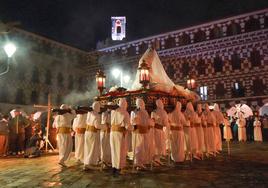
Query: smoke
{"type": "Point", "coordinates": [81, 98]}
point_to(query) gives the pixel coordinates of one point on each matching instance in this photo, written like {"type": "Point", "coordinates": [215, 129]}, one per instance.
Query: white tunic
{"type": "Point", "coordinates": [177, 119]}
{"type": "Point", "coordinates": [118, 140]}
{"type": "Point", "coordinates": [209, 121]}
{"type": "Point", "coordinates": [142, 119]}
{"type": "Point", "coordinates": [217, 131]}
{"type": "Point", "coordinates": [200, 134]}
{"type": "Point", "coordinates": [242, 136]}
{"type": "Point", "coordinates": [92, 139]}
{"type": "Point", "coordinates": [105, 138]}
{"type": "Point", "coordinates": [65, 142]}
{"type": "Point", "coordinates": [79, 122]}
{"type": "Point", "coordinates": [257, 131]}
{"type": "Point", "coordinates": [190, 132]}
{"type": "Point", "coordinates": [160, 117]}
{"type": "Point", "coordinates": [227, 132]}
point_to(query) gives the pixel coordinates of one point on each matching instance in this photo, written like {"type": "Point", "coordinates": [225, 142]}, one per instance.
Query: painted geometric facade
{"type": "Point", "coordinates": [229, 57]}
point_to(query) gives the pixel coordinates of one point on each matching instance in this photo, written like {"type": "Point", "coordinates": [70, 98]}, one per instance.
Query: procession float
{"type": "Point", "coordinates": [151, 83]}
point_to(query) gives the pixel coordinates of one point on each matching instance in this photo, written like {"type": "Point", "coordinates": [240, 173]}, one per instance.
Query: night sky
{"type": "Point", "coordinates": [82, 23]}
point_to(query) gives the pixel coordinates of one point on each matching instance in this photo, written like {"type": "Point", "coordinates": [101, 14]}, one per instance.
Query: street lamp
{"type": "Point", "coordinates": [10, 49]}
{"type": "Point", "coordinates": [123, 78]}
{"type": "Point", "coordinates": [100, 81]}
{"type": "Point", "coordinates": [144, 77]}
{"type": "Point", "coordinates": [191, 81]}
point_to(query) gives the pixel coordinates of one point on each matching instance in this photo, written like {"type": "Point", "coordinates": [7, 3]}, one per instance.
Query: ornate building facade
{"type": "Point", "coordinates": [228, 56]}
{"type": "Point", "coordinates": [40, 66]}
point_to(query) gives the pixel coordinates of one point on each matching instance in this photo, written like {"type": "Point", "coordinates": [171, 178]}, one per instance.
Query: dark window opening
{"type": "Point", "coordinates": [184, 40]}
{"type": "Point", "coordinates": [201, 67]}
{"type": "Point", "coordinates": [238, 90]}
{"type": "Point", "coordinates": [170, 43]}
{"type": "Point", "coordinates": [70, 82]}
{"type": "Point", "coordinates": [34, 97]}
{"type": "Point", "coordinates": [20, 97]}
{"type": "Point", "coordinates": [255, 58]}
{"type": "Point", "coordinates": [170, 71]}
{"type": "Point", "coordinates": [118, 29]}
{"type": "Point", "coordinates": [236, 61]}
{"type": "Point", "coordinates": [218, 64]}
{"type": "Point", "coordinates": [252, 25]}
{"type": "Point", "coordinates": [220, 91]}
{"type": "Point", "coordinates": [60, 80]}
{"type": "Point", "coordinates": [233, 29]}
{"type": "Point", "coordinates": [4, 94]}
{"type": "Point", "coordinates": [48, 77]}
{"type": "Point", "coordinates": [215, 33]}
{"type": "Point", "coordinates": [258, 87]}
{"type": "Point", "coordinates": [185, 69]}
{"type": "Point", "coordinates": [35, 75]}
{"type": "Point", "coordinates": [199, 36]}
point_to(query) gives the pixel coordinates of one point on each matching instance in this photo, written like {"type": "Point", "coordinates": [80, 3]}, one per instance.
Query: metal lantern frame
{"type": "Point", "coordinates": [100, 81]}
{"type": "Point", "coordinates": [144, 74]}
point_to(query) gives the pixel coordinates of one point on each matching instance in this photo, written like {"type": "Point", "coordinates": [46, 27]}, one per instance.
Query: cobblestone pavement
{"type": "Point", "coordinates": [246, 167]}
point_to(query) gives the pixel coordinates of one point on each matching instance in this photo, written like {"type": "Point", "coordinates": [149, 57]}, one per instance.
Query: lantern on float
{"type": "Point", "coordinates": [191, 81]}
{"type": "Point", "coordinates": [100, 81]}
{"type": "Point", "coordinates": [144, 76]}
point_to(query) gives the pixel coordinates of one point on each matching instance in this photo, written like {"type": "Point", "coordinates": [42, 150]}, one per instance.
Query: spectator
{"type": "Point", "coordinates": [250, 128]}
{"type": "Point", "coordinates": [34, 145]}
{"type": "Point", "coordinates": [265, 127]}
{"type": "Point", "coordinates": [3, 135]}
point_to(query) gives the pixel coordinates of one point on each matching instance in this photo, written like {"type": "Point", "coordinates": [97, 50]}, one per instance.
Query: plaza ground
{"type": "Point", "coordinates": [246, 167]}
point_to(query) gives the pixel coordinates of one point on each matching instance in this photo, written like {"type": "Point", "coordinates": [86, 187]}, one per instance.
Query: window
{"type": "Point", "coordinates": [170, 43]}
{"type": "Point", "coordinates": [35, 75]}
{"type": "Point", "coordinates": [170, 71]}
{"type": "Point", "coordinates": [58, 100]}
{"type": "Point", "coordinates": [143, 47]}
{"type": "Point", "coordinates": [4, 94]}
{"type": "Point", "coordinates": [131, 51]}
{"type": "Point", "coordinates": [20, 97]}
{"type": "Point", "coordinates": [258, 87]}
{"type": "Point", "coordinates": [80, 83]}
{"type": "Point", "coordinates": [203, 92]}
{"type": "Point", "coordinates": [218, 64]}
{"type": "Point", "coordinates": [201, 67]}
{"type": "Point", "coordinates": [238, 90]}
{"type": "Point", "coordinates": [34, 97]}
{"type": "Point", "coordinates": [216, 32]}
{"type": "Point", "coordinates": [184, 40]}
{"type": "Point", "coordinates": [252, 25]}
{"type": "Point", "coordinates": [48, 77]}
{"type": "Point", "coordinates": [220, 91]}
{"type": "Point", "coordinates": [235, 61]}
{"type": "Point", "coordinates": [70, 82]}
{"type": "Point", "coordinates": [233, 29]}
{"type": "Point", "coordinates": [45, 97]}
{"type": "Point", "coordinates": [185, 69]}
{"type": "Point", "coordinates": [60, 80]}
{"type": "Point", "coordinates": [199, 36]}
{"type": "Point", "coordinates": [255, 58]}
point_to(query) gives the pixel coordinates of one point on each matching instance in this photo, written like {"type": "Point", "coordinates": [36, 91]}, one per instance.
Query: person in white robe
{"type": "Point", "coordinates": [140, 120]}
{"type": "Point", "coordinates": [241, 122]}
{"type": "Point", "coordinates": [92, 137]}
{"type": "Point", "coordinates": [192, 143]}
{"type": "Point", "coordinates": [63, 124]}
{"type": "Point", "coordinates": [200, 132]}
{"type": "Point", "coordinates": [176, 121]}
{"type": "Point", "coordinates": [120, 123]}
{"type": "Point", "coordinates": [160, 118]}
{"type": "Point", "coordinates": [79, 126]}
{"type": "Point", "coordinates": [257, 130]}
{"type": "Point", "coordinates": [105, 137]}
{"type": "Point", "coordinates": [227, 132]}
{"type": "Point", "coordinates": [217, 131]}
{"type": "Point", "coordinates": [209, 121]}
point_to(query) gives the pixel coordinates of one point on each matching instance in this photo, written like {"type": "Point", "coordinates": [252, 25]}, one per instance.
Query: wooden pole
{"type": "Point", "coordinates": [48, 118]}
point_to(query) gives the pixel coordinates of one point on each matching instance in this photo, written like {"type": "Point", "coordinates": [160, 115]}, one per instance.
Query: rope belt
{"type": "Point", "coordinates": [197, 124]}
{"type": "Point", "coordinates": [209, 124]}
{"type": "Point", "coordinates": [141, 129]}
{"type": "Point", "coordinates": [175, 128]}
{"type": "Point", "coordinates": [117, 128]}
{"type": "Point", "coordinates": [108, 130]}
{"type": "Point", "coordinates": [91, 128]}
{"type": "Point", "coordinates": [64, 130]}
{"type": "Point", "coordinates": [80, 130]}
{"type": "Point", "coordinates": [158, 126]}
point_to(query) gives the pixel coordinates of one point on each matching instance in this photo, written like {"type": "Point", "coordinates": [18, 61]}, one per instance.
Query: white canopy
{"type": "Point", "coordinates": [159, 80]}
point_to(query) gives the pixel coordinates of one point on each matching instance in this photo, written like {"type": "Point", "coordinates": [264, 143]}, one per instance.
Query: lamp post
{"type": "Point", "coordinates": [191, 81]}
{"type": "Point", "coordinates": [123, 78]}
{"type": "Point", "coordinates": [144, 76]}
{"type": "Point", "coordinates": [100, 81]}
{"type": "Point", "coordinates": [10, 49]}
